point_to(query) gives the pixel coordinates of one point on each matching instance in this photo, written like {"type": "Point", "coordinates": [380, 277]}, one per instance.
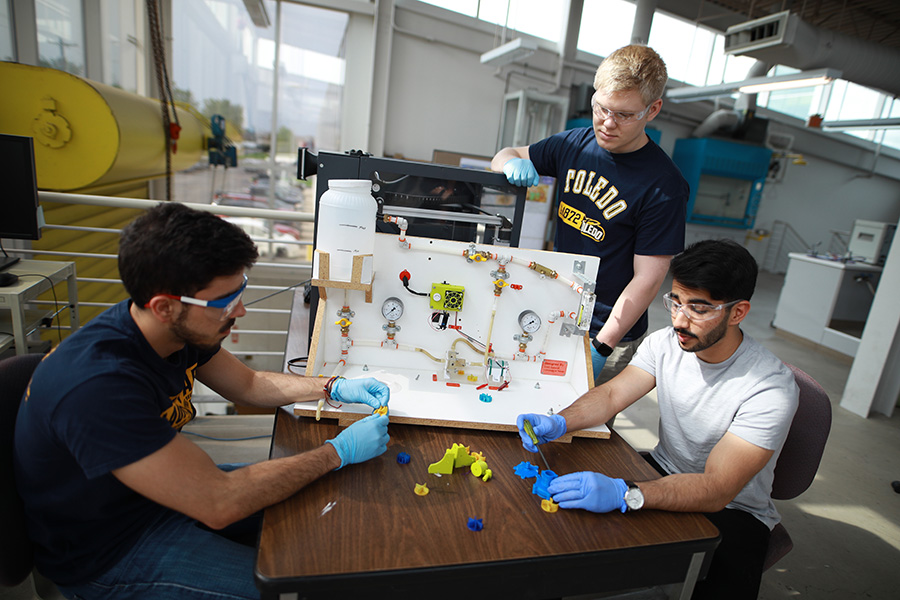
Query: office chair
{"type": "Point", "coordinates": [799, 459]}
{"type": "Point", "coordinates": [16, 558]}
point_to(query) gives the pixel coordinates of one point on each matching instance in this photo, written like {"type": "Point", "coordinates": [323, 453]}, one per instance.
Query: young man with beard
{"type": "Point", "coordinates": [119, 504]}
{"type": "Point", "coordinates": [725, 403]}
{"type": "Point", "coordinates": [620, 197]}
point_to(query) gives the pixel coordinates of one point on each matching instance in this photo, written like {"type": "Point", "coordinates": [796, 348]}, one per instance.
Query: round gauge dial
{"type": "Point", "coordinates": [392, 309]}
{"type": "Point", "coordinates": [529, 321]}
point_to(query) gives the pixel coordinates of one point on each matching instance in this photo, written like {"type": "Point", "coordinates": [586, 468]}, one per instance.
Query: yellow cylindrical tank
{"type": "Point", "coordinates": [88, 134]}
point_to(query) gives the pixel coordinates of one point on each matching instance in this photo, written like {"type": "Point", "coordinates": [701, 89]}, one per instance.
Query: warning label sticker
{"type": "Point", "coordinates": [554, 367]}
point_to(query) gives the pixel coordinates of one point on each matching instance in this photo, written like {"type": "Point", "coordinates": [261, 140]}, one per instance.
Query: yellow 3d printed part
{"type": "Point", "coordinates": [380, 411]}
{"type": "Point", "coordinates": [462, 458]}
{"type": "Point", "coordinates": [487, 475]}
{"type": "Point", "coordinates": [445, 465]}
{"type": "Point", "coordinates": [447, 297]}
{"type": "Point", "coordinates": [549, 505]}
{"type": "Point", "coordinates": [478, 468]}
{"type": "Point", "coordinates": [455, 457]}
{"type": "Point", "coordinates": [421, 489]}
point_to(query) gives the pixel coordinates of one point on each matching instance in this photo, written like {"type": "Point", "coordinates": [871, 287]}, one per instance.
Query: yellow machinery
{"type": "Point", "coordinates": [87, 134]}
{"type": "Point", "coordinates": [95, 139]}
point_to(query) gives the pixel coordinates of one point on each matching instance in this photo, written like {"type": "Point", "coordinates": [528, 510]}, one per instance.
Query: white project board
{"type": "Point", "coordinates": [549, 375]}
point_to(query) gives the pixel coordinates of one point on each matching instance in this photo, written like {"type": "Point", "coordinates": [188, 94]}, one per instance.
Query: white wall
{"type": "Point", "coordinates": [825, 195]}
{"type": "Point", "coordinates": [441, 98]}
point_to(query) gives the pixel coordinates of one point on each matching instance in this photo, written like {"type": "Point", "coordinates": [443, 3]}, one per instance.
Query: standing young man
{"type": "Point", "coordinates": [725, 405]}
{"type": "Point", "coordinates": [120, 504]}
{"type": "Point", "coordinates": [620, 198]}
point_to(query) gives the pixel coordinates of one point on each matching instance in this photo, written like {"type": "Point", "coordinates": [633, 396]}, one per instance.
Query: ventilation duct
{"type": "Point", "coordinates": [783, 38]}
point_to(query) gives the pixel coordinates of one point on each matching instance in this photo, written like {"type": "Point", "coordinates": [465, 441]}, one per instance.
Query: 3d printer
{"type": "Point", "coordinates": [439, 201]}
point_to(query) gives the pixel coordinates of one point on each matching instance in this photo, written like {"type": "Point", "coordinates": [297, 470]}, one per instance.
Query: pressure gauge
{"type": "Point", "coordinates": [529, 321]}
{"type": "Point", "coordinates": [392, 309]}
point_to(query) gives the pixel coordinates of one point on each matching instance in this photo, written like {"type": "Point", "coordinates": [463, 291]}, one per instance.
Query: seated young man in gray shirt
{"type": "Point", "coordinates": [726, 405]}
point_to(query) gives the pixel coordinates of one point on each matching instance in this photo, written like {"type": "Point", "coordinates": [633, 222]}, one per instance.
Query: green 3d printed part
{"type": "Point", "coordinates": [446, 297]}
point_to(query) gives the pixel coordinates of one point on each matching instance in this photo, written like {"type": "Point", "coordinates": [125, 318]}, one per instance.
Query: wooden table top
{"type": "Point", "coordinates": [363, 526]}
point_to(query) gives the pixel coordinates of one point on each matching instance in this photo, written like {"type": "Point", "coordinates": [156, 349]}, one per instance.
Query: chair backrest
{"type": "Point", "coordinates": [799, 460]}
{"type": "Point", "coordinates": [15, 550]}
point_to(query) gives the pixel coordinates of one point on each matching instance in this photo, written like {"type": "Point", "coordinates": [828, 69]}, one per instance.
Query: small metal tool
{"type": "Point", "coordinates": [530, 431]}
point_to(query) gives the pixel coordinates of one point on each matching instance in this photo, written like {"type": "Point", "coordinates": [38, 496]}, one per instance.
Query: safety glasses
{"type": "Point", "coordinates": [695, 311]}
{"type": "Point", "coordinates": [228, 304]}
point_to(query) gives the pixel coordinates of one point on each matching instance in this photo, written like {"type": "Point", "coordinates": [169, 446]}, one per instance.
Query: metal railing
{"type": "Point", "coordinates": [784, 240]}
{"type": "Point", "coordinates": [290, 272]}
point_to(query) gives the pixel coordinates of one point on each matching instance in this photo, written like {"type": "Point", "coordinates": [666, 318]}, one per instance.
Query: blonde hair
{"type": "Point", "coordinates": [633, 67]}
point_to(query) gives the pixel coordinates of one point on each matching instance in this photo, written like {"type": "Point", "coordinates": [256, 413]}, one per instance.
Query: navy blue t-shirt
{"type": "Point", "coordinates": [102, 400]}
{"type": "Point", "coordinates": [613, 206]}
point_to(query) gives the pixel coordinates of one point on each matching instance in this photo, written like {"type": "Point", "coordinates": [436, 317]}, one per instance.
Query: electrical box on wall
{"type": "Point", "coordinates": [726, 180]}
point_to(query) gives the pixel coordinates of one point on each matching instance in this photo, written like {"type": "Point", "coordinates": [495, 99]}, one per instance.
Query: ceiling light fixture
{"type": "Point", "coordinates": [893, 123]}
{"type": "Point", "coordinates": [754, 85]}
{"type": "Point", "coordinates": [517, 50]}
{"type": "Point", "coordinates": [257, 11]}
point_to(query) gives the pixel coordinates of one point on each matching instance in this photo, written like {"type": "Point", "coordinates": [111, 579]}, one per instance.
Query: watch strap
{"type": "Point", "coordinates": [602, 349]}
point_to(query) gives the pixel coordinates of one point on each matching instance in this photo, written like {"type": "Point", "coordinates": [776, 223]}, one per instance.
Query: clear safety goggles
{"type": "Point", "coordinates": [695, 311]}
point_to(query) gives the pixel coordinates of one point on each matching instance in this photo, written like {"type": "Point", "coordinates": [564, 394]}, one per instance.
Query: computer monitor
{"type": "Point", "coordinates": [20, 212]}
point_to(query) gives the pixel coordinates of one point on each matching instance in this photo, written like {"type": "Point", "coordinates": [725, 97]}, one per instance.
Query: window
{"type": "Point", "coordinates": [851, 101]}
{"type": "Point", "coordinates": [540, 18]}
{"type": "Point", "coordinates": [122, 61]}
{"type": "Point", "coordinates": [7, 36]}
{"type": "Point", "coordinates": [684, 47]}
{"type": "Point", "coordinates": [223, 64]}
{"type": "Point", "coordinates": [594, 36]}
{"type": "Point", "coordinates": [465, 7]}
{"type": "Point", "coordinates": [60, 31]}
{"type": "Point", "coordinates": [891, 110]}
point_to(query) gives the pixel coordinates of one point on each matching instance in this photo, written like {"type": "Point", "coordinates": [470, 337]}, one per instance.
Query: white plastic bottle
{"type": "Point", "coordinates": [346, 225]}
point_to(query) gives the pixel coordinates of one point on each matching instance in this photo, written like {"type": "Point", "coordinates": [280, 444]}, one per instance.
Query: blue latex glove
{"type": "Point", "coordinates": [365, 439]}
{"type": "Point", "coordinates": [598, 361]}
{"type": "Point", "coordinates": [361, 391]}
{"type": "Point", "coordinates": [521, 171]}
{"type": "Point", "coordinates": [546, 429]}
{"type": "Point", "coordinates": [591, 491]}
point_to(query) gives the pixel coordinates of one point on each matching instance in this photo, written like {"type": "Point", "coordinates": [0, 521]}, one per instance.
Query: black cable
{"type": "Point", "coordinates": [405, 281]}
{"type": "Point", "coordinates": [55, 301]}
{"type": "Point", "coordinates": [290, 287]}
{"type": "Point", "coordinates": [297, 363]}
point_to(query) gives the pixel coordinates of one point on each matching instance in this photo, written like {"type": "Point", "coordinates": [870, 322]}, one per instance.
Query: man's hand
{"type": "Point", "coordinates": [361, 441]}
{"type": "Point", "coordinates": [521, 171]}
{"type": "Point", "coordinates": [546, 429]}
{"type": "Point", "coordinates": [361, 391]}
{"type": "Point", "coordinates": [591, 491]}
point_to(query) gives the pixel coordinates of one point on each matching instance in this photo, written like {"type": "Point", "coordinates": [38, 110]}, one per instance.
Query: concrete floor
{"type": "Point", "coordinates": [846, 527]}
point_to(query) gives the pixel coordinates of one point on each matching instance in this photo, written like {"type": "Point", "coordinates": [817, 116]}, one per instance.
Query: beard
{"type": "Point", "coordinates": [706, 341]}
{"type": "Point", "coordinates": [192, 338]}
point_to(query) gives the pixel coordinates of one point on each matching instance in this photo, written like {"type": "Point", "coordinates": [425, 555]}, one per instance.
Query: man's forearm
{"type": "Point", "coordinates": [650, 271]}
{"type": "Point", "coordinates": [271, 389]}
{"type": "Point", "coordinates": [255, 487]}
{"type": "Point", "coordinates": [502, 157]}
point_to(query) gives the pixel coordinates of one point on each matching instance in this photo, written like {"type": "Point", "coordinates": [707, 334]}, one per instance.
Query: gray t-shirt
{"type": "Point", "coordinates": [752, 394]}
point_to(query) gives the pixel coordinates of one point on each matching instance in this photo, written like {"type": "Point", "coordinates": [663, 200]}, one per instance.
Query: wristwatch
{"type": "Point", "coordinates": [634, 497]}
{"type": "Point", "coordinates": [602, 349]}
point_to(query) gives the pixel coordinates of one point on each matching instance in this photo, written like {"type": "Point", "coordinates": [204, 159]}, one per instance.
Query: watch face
{"type": "Point", "coordinates": [634, 498]}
